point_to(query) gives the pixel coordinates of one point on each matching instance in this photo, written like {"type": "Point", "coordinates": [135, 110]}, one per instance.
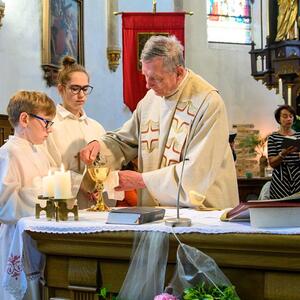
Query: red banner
{"type": "Point", "coordinates": [136, 29]}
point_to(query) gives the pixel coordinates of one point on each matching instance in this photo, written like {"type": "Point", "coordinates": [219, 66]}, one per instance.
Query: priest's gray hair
{"type": "Point", "coordinates": [167, 47]}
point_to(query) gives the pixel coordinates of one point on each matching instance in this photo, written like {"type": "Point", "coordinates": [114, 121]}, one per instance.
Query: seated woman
{"type": "Point", "coordinates": [284, 161]}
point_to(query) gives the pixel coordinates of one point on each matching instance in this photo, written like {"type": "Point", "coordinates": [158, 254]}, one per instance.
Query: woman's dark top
{"type": "Point", "coordinates": [286, 176]}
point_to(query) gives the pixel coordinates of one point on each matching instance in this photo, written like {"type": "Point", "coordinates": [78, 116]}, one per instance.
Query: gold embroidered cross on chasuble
{"type": "Point", "coordinates": [184, 114]}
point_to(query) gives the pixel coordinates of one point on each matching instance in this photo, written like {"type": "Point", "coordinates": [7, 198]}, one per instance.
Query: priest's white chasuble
{"type": "Point", "coordinates": [158, 133]}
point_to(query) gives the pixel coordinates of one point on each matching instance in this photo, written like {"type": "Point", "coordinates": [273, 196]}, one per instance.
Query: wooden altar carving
{"type": "Point", "coordinates": [261, 266]}
{"type": "Point", "coordinates": [277, 65]}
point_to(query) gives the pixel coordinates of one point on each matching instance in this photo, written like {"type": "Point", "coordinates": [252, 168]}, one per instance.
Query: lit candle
{"type": "Point", "coordinates": [280, 87]}
{"type": "Point", "coordinates": [62, 184]}
{"type": "Point", "coordinates": [48, 185]}
{"type": "Point", "coordinates": [289, 95]}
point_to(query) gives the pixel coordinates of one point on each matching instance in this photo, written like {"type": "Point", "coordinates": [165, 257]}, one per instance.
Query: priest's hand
{"type": "Point", "coordinates": [89, 153]}
{"type": "Point", "coordinates": [130, 180]}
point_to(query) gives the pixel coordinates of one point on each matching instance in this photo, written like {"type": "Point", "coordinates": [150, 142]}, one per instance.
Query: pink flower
{"type": "Point", "coordinates": [165, 296]}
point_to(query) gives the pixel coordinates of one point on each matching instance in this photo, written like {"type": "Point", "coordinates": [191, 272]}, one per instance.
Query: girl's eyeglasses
{"type": "Point", "coordinates": [76, 89]}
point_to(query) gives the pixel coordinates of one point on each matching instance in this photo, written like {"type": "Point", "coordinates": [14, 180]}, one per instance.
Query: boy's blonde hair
{"type": "Point", "coordinates": [31, 102]}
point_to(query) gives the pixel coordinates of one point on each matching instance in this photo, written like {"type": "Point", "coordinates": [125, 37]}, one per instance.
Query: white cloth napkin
{"type": "Point", "coordinates": [110, 183]}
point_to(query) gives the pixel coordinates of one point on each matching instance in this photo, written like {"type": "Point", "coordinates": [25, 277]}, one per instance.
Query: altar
{"type": "Point", "coordinates": [83, 256]}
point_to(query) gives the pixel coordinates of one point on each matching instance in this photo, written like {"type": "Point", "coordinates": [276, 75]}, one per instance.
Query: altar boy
{"type": "Point", "coordinates": [21, 163]}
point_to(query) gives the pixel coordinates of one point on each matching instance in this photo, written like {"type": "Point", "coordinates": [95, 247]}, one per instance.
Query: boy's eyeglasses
{"type": "Point", "coordinates": [76, 89]}
{"type": "Point", "coordinates": [48, 123]}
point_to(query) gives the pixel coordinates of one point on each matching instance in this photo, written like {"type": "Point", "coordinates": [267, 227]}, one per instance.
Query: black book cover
{"type": "Point", "coordinates": [135, 215]}
{"type": "Point", "coordinates": [287, 142]}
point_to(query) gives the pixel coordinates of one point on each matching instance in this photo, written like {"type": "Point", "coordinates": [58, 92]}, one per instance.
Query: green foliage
{"type": "Point", "coordinates": [202, 292]}
{"type": "Point", "coordinates": [105, 295]}
{"type": "Point", "coordinates": [255, 143]}
{"type": "Point", "coordinates": [296, 125]}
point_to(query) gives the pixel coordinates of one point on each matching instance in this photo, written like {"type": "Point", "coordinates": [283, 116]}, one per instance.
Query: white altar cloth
{"type": "Point", "coordinates": [207, 222]}
{"type": "Point", "coordinates": [202, 222]}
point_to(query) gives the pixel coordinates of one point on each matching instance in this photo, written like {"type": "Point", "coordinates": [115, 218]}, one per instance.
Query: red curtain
{"type": "Point", "coordinates": [135, 26]}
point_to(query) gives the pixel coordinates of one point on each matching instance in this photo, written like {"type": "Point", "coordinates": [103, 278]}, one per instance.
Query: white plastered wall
{"type": "Point", "coordinates": [226, 66]}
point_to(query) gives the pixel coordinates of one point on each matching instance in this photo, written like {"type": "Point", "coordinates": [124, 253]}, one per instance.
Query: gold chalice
{"type": "Point", "coordinates": [99, 174]}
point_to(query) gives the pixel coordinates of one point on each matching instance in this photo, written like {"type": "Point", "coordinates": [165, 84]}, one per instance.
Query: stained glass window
{"type": "Point", "coordinates": [229, 21]}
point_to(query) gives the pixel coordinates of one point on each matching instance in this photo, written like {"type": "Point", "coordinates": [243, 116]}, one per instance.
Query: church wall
{"type": "Point", "coordinates": [19, 40]}
{"type": "Point", "coordinates": [225, 66]}
{"type": "Point", "coordinates": [228, 68]}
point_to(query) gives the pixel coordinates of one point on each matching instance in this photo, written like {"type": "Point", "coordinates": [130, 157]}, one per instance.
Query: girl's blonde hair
{"type": "Point", "coordinates": [69, 66]}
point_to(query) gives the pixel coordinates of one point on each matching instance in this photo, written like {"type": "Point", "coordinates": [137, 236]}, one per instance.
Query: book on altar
{"type": "Point", "coordinates": [135, 215]}
{"type": "Point", "coordinates": [290, 141]}
{"type": "Point", "coordinates": [284, 212]}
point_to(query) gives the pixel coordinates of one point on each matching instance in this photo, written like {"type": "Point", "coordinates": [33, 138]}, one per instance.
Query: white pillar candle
{"type": "Point", "coordinates": [48, 185]}
{"type": "Point", "coordinates": [280, 87]}
{"type": "Point", "coordinates": [289, 95]}
{"type": "Point", "coordinates": [62, 184]}
{"type": "Point", "coordinates": [296, 34]}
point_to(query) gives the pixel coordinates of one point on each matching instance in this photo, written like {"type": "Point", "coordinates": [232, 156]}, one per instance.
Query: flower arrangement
{"type": "Point", "coordinates": [165, 296]}
{"type": "Point", "coordinates": [203, 292]}
{"type": "Point", "coordinates": [202, 280]}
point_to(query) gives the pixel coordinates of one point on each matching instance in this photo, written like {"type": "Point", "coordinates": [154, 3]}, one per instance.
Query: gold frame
{"type": "Point", "coordinates": [49, 64]}
{"type": "Point", "coordinates": [141, 40]}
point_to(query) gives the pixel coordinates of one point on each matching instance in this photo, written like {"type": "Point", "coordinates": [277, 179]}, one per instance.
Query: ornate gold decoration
{"type": "Point", "coordinates": [99, 174]}
{"type": "Point", "coordinates": [287, 17]}
{"type": "Point", "coordinates": [113, 56]}
{"type": "Point", "coordinates": [2, 8]}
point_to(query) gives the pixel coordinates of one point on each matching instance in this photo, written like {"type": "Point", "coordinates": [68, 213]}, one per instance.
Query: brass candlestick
{"type": "Point", "coordinates": [49, 209]}
{"type": "Point", "coordinates": [56, 209]}
{"type": "Point", "coordinates": [99, 174]}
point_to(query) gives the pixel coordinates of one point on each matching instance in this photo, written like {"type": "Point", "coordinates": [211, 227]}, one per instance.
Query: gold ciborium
{"type": "Point", "coordinates": [98, 174]}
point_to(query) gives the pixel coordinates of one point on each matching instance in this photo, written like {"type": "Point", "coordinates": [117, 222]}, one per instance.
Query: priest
{"type": "Point", "coordinates": [178, 130]}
